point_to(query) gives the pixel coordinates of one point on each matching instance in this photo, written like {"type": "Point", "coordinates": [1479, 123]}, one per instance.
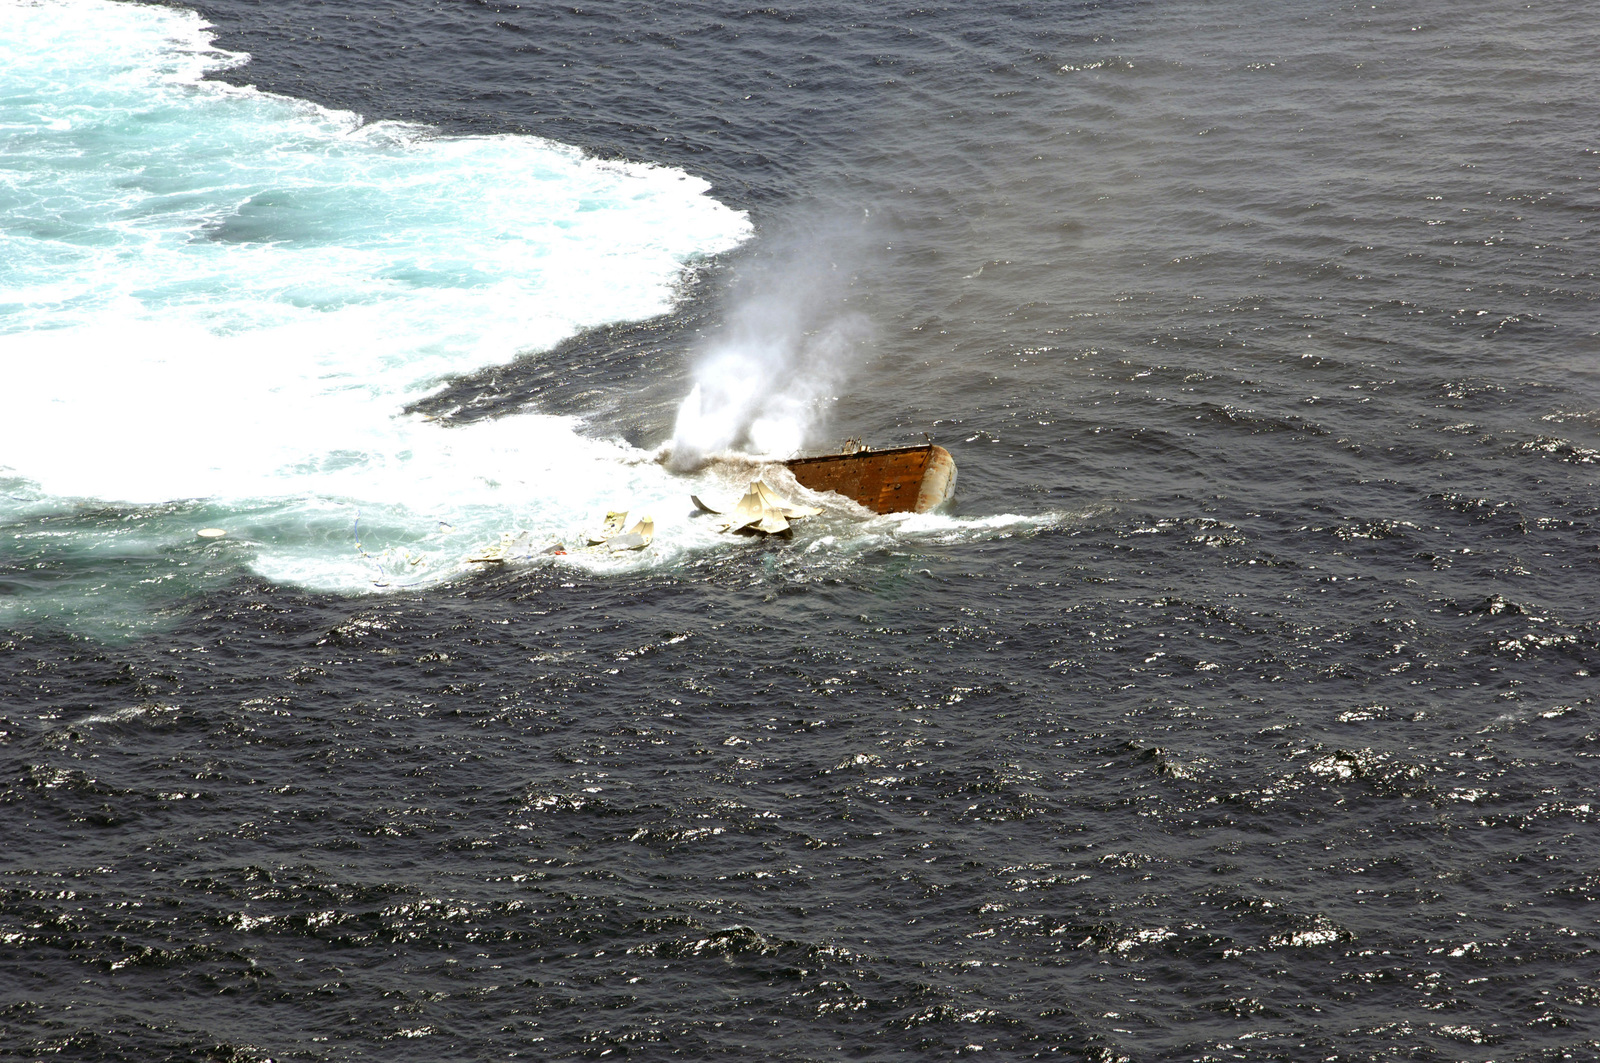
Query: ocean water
{"type": "Point", "coordinates": [1240, 707]}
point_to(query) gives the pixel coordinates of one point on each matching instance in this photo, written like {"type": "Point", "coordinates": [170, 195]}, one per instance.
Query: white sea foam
{"type": "Point", "coordinates": [762, 385]}
{"type": "Point", "coordinates": [224, 299]}
{"type": "Point", "coordinates": [213, 293]}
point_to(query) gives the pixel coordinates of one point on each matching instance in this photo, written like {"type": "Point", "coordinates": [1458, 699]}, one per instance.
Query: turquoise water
{"type": "Point", "coordinates": [216, 303]}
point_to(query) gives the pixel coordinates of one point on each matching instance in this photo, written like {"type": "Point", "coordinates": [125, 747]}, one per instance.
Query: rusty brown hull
{"type": "Point", "coordinates": [898, 480]}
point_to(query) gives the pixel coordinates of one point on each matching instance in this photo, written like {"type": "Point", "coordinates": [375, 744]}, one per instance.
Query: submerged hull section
{"type": "Point", "coordinates": [899, 480]}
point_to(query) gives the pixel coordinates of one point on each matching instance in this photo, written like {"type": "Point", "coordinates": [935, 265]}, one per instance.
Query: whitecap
{"type": "Point", "coordinates": [216, 294]}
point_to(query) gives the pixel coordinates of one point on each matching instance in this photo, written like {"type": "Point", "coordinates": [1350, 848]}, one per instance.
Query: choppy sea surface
{"type": "Point", "coordinates": [1240, 707]}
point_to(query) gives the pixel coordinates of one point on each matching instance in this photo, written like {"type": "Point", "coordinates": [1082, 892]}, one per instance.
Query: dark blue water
{"type": "Point", "coordinates": [1273, 740]}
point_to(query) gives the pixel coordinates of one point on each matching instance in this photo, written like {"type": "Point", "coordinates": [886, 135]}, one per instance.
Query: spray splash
{"type": "Point", "coordinates": [763, 385]}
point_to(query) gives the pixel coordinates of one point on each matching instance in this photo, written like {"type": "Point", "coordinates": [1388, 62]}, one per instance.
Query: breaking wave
{"type": "Point", "coordinates": [216, 303]}
{"type": "Point", "coordinates": [215, 294]}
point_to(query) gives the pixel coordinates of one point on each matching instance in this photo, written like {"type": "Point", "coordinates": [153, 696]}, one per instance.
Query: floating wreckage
{"type": "Point", "coordinates": [520, 547]}
{"type": "Point", "coordinates": [609, 539]}
{"type": "Point", "coordinates": [761, 509]}
{"type": "Point", "coordinates": [897, 480]}
{"type": "Point", "coordinates": [914, 479]}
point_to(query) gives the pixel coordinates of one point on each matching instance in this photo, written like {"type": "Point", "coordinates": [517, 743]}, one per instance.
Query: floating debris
{"type": "Point", "coordinates": [525, 546]}
{"type": "Point", "coordinates": [761, 509]}
{"type": "Point", "coordinates": [211, 533]}
{"type": "Point", "coordinates": [610, 529]}
{"type": "Point", "coordinates": [635, 538]}
{"type": "Point", "coordinates": [520, 547]}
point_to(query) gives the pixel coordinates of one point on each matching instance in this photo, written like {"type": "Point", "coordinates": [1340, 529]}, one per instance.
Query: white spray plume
{"type": "Point", "coordinates": [791, 340]}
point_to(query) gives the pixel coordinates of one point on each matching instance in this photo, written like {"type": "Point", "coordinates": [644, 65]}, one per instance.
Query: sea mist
{"type": "Point", "coordinates": [763, 384]}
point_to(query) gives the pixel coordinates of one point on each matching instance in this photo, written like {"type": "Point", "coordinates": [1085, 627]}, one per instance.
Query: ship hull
{"type": "Point", "coordinates": [897, 480]}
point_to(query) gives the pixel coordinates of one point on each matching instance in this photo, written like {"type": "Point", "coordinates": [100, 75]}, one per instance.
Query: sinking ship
{"type": "Point", "coordinates": [915, 479]}
{"type": "Point", "coordinates": [897, 480]}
